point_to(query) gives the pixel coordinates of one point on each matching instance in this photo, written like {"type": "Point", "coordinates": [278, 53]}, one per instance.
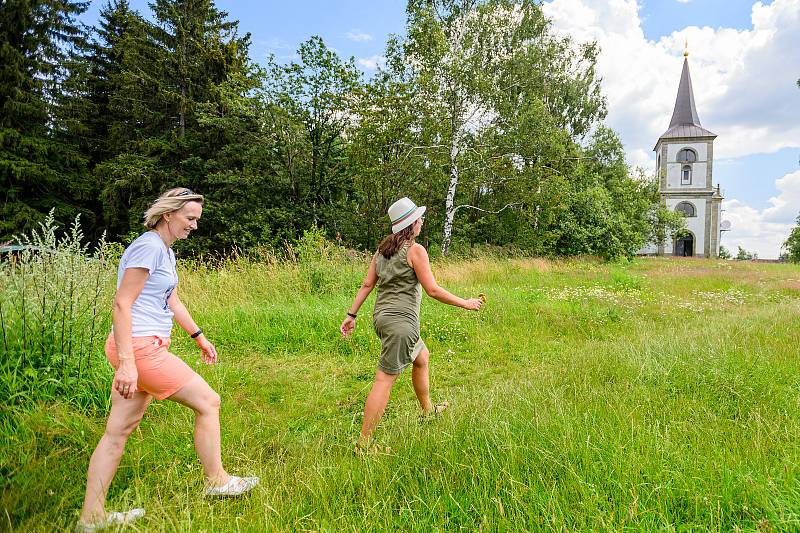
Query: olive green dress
{"type": "Point", "coordinates": [396, 316]}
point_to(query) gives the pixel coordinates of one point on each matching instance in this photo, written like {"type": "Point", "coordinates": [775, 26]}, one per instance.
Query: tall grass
{"type": "Point", "coordinates": [54, 306]}
{"type": "Point", "coordinates": [657, 395]}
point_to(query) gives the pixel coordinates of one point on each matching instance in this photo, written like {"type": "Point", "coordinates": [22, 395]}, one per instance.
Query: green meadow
{"type": "Point", "coordinates": [653, 395]}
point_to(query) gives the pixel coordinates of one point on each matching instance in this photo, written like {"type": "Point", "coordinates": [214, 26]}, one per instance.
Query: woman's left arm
{"type": "Point", "coordinates": [184, 320]}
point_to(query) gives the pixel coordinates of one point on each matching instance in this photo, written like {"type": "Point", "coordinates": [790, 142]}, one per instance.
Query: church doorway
{"type": "Point", "coordinates": [684, 246]}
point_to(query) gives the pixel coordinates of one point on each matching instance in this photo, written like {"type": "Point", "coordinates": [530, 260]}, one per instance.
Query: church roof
{"type": "Point", "coordinates": [686, 130]}
{"type": "Point", "coordinates": [685, 121]}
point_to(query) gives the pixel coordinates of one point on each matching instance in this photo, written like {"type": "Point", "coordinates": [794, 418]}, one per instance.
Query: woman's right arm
{"type": "Point", "coordinates": [126, 375]}
{"type": "Point", "coordinates": [349, 323]}
{"type": "Point", "coordinates": [419, 261]}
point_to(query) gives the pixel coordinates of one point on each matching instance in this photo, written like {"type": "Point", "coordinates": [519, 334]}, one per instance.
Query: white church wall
{"type": "Point", "coordinates": [701, 148]}
{"type": "Point", "coordinates": [696, 224]}
{"type": "Point", "coordinates": [699, 168]}
{"type": "Point", "coordinates": [698, 176]}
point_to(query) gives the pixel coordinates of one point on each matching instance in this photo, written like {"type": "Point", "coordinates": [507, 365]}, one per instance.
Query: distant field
{"type": "Point", "coordinates": [653, 395]}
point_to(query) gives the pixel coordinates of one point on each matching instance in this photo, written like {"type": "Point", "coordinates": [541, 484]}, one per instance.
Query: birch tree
{"type": "Point", "coordinates": [477, 63]}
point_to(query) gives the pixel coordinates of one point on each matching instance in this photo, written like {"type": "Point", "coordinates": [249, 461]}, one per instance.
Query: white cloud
{"type": "Point", "coordinates": [373, 62]}
{"type": "Point", "coordinates": [745, 91]}
{"type": "Point", "coordinates": [764, 232]}
{"type": "Point", "coordinates": [282, 50]}
{"type": "Point", "coordinates": [641, 158]}
{"type": "Point", "coordinates": [276, 44]}
{"type": "Point", "coordinates": [358, 36]}
{"type": "Point", "coordinates": [752, 232]}
{"type": "Point", "coordinates": [744, 80]}
{"type": "Point", "coordinates": [786, 205]}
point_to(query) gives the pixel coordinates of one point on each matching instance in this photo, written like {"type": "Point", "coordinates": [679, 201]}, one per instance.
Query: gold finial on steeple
{"type": "Point", "coordinates": [686, 47]}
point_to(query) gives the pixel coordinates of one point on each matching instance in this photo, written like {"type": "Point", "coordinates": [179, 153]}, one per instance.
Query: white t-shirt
{"type": "Point", "coordinates": [150, 314]}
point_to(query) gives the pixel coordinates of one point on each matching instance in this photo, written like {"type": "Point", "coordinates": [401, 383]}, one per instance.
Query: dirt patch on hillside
{"type": "Point", "coordinates": [792, 284]}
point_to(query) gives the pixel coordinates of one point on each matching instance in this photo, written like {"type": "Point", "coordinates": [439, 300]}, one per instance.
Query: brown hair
{"type": "Point", "coordinates": [391, 244]}
{"type": "Point", "coordinates": [169, 201]}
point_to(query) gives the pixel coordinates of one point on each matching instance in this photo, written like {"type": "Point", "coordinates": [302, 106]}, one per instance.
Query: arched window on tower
{"type": "Point", "coordinates": [687, 155]}
{"type": "Point", "coordinates": [687, 209]}
{"type": "Point", "coordinates": [686, 175]}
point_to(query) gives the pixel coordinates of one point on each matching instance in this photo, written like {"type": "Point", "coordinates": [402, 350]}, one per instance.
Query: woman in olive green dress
{"type": "Point", "coordinates": [398, 269]}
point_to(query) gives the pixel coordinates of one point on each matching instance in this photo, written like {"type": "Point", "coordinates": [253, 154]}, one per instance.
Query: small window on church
{"type": "Point", "coordinates": [687, 155]}
{"type": "Point", "coordinates": [686, 175]}
{"type": "Point", "coordinates": [686, 208]}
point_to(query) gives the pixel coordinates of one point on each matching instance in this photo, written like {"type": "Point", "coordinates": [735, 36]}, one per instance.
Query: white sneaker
{"type": "Point", "coordinates": [236, 486]}
{"type": "Point", "coordinates": [112, 519]}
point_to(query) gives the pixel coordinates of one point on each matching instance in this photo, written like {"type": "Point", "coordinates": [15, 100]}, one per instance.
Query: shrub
{"type": "Point", "coordinates": [318, 258]}
{"type": "Point", "coordinates": [744, 255]}
{"type": "Point", "coordinates": [54, 311]}
{"type": "Point", "coordinates": [792, 244]}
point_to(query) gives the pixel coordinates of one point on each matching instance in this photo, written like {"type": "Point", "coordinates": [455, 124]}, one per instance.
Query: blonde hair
{"type": "Point", "coordinates": [169, 201]}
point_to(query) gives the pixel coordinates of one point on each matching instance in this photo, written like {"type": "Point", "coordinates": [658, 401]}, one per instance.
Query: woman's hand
{"type": "Point", "coordinates": [473, 304]}
{"type": "Point", "coordinates": [348, 325]}
{"type": "Point", "coordinates": [125, 378]}
{"type": "Point", "coordinates": [208, 349]}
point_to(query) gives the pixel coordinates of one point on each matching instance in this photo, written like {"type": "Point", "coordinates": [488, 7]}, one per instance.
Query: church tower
{"type": "Point", "coordinates": [684, 163]}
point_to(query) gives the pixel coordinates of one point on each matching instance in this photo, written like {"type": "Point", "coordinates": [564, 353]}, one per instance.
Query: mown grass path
{"type": "Point", "coordinates": [656, 395]}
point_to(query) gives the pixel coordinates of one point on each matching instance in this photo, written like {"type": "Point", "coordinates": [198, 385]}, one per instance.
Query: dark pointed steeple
{"type": "Point", "coordinates": [685, 121]}
{"type": "Point", "coordinates": [685, 113]}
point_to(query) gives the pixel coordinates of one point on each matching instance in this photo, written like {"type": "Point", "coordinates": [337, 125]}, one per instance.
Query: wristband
{"type": "Point", "coordinates": [196, 333]}
{"type": "Point", "coordinates": [352, 315]}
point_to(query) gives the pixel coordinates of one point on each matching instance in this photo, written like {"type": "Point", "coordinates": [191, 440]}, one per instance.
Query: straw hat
{"type": "Point", "coordinates": [403, 213]}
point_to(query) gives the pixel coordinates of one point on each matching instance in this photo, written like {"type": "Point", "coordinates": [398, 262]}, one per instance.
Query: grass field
{"type": "Point", "coordinates": [653, 395]}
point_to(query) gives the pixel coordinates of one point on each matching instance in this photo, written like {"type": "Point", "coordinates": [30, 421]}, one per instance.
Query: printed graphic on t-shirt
{"type": "Point", "coordinates": [167, 294]}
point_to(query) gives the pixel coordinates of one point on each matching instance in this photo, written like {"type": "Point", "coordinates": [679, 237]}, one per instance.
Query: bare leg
{"type": "Point", "coordinates": [124, 418]}
{"type": "Point", "coordinates": [201, 398]}
{"type": "Point", "coordinates": [419, 378]}
{"type": "Point", "coordinates": [376, 404]}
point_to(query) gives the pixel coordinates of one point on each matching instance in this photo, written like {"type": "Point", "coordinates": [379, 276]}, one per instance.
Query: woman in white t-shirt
{"type": "Point", "coordinates": [145, 304]}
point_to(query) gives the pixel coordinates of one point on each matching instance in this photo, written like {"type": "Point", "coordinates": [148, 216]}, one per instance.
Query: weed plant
{"type": "Point", "coordinates": [54, 308]}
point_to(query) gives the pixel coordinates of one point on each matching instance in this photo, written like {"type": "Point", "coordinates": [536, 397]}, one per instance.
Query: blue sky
{"type": "Point", "coordinates": [290, 23]}
{"type": "Point", "coordinates": [662, 17]}
{"type": "Point", "coordinates": [280, 27]}
{"type": "Point", "coordinates": [753, 154]}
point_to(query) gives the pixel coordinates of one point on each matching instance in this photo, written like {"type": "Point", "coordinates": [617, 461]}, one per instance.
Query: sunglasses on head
{"type": "Point", "coordinates": [187, 192]}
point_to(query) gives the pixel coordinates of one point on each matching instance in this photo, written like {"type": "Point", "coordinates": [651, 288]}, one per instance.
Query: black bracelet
{"type": "Point", "coordinates": [353, 315]}
{"type": "Point", "coordinates": [196, 333]}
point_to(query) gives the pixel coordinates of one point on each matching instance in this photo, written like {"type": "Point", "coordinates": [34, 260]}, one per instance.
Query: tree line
{"type": "Point", "coordinates": [481, 112]}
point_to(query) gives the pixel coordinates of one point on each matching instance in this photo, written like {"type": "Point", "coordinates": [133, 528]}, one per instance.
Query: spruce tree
{"type": "Point", "coordinates": [98, 121]}
{"type": "Point", "coordinates": [101, 80]}
{"type": "Point", "coordinates": [36, 166]}
{"type": "Point", "coordinates": [167, 70]}
{"type": "Point", "coordinates": [197, 50]}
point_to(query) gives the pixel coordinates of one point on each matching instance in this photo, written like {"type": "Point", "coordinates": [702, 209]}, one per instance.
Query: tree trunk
{"type": "Point", "coordinates": [182, 112]}
{"type": "Point", "coordinates": [449, 205]}
{"type": "Point", "coordinates": [184, 73]}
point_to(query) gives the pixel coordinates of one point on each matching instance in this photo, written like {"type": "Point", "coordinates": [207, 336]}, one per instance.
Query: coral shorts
{"type": "Point", "coordinates": [161, 373]}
